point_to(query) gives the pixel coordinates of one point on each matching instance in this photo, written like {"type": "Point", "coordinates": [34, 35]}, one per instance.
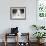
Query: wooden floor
{"type": "Point", "coordinates": [13, 44]}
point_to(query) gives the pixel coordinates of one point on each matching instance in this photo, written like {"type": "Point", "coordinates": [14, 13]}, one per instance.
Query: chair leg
{"type": "Point", "coordinates": [5, 40]}
{"type": "Point", "coordinates": [5, 43]}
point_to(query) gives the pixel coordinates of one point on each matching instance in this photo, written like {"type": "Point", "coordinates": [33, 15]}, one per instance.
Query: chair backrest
{"type": "Point", "coordinates": [24, 37]}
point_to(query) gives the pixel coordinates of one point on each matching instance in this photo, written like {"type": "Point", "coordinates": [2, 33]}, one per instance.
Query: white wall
{"type": "Point", "coordinates": [24, 25]}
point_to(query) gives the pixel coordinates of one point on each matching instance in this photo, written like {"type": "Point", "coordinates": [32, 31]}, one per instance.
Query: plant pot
{"type": "Point", "coordinates": [40, 41]}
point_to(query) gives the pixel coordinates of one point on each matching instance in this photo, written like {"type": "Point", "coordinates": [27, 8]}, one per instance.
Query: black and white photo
{"type": "Point", "coordinates": [17, 13]}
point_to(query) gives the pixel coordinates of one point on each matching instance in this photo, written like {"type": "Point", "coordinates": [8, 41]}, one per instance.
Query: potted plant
{"type": "Point", "coordinates": [39, 35]}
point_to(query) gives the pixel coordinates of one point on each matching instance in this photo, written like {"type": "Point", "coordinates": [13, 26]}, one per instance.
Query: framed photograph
{"type": "Point", "coordinates": [17, 13]}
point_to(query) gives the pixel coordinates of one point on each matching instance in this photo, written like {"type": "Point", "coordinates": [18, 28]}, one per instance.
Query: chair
{"type": "Point", "coordinates": [14, 32]}
{"type": "Point", "coordinates": [25, 37]}
{"type": "Point", "coordinates": [7, 35]}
